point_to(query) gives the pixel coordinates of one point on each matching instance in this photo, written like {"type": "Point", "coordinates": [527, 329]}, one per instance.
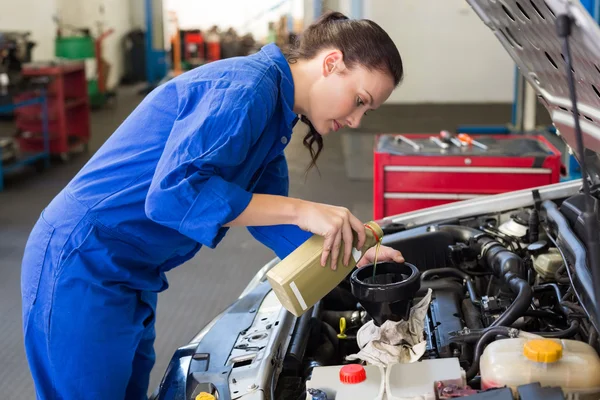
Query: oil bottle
{"type": "Point", "coordinates": [299, 281]}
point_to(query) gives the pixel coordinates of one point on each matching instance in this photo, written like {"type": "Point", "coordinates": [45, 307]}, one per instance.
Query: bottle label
{"type": "Point", "coordinates": [356, 254]}
{"type": "Point", "coordinates": [298, 295]}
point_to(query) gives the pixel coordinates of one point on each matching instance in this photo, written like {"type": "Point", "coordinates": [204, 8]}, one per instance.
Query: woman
{"type": "Point", "coordinates": [201, 153]}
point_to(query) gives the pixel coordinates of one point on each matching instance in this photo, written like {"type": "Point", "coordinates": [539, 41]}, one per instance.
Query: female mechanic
{"type": "Point", "coordinates": [201, 153]}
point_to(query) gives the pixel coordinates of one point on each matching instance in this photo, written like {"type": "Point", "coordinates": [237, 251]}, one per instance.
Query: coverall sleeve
{"type": "Point", "coordinates": [215, 129]}
{"type": "Point", "coordinates": [282, 239]}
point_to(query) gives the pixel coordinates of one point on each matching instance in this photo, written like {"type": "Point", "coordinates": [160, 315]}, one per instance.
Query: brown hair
{"type": "Point", "coordinates": [361, 42]}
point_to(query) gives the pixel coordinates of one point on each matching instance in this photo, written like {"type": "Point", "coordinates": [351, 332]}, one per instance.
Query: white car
{"type": "Point", "coordinates": [517, 265]}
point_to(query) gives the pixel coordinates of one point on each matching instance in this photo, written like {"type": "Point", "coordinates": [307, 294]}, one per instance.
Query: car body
{"type": "Point", "coordinates": [258, 350]}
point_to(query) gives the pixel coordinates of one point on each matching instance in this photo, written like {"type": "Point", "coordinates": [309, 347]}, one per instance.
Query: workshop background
{"type": "Point", "coordinates": [457, 74]}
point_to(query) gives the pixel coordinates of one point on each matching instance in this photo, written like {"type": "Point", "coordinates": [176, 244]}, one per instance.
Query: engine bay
{"type": "Point", "coordinates": [491, 277]}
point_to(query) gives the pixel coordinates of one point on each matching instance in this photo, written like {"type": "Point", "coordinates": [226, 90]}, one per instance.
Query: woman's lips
{"type": "Point", "coordinates": [336, 125]}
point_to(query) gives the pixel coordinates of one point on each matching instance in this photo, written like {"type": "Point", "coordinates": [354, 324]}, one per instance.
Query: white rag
{"type": "Point", "coordinates": [394, 342]}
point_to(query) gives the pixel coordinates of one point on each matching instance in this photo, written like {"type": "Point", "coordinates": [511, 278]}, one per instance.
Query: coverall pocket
{"type": "Point", "coordinates": [33, 260]}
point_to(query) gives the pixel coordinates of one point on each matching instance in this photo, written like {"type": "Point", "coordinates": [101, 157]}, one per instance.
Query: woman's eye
{"type": "Point", "coordinates": [359, 102]}
{"type": "Point", "coordinates": [366, 113]}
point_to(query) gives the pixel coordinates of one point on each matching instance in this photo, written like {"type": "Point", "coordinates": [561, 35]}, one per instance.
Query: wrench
{"type": "Point", "coordinates": [439, 142]}
{"type": "Point", "coordinates": [406, 140]}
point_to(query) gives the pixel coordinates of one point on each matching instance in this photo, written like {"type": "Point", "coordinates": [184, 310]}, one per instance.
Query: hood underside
{"type": "Point", "coordinates": [526, 29]}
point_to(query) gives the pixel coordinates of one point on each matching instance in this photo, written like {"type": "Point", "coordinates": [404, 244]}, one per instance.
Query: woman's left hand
{"type": "Point", "coordinates": [385, 254]}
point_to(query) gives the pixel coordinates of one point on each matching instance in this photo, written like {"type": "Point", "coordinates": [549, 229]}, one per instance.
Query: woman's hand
{"type": "Point", "coordinates": [385, 254]}
{"type": "Point", "coordinates": [334, 224]}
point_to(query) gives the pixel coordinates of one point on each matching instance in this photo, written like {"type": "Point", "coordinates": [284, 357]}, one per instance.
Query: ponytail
{"type": "Point", "coordinates": [362, 42]}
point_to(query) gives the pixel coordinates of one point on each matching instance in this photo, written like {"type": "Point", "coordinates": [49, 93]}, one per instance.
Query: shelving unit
{"type": "Point", "coordinates": [39, 158]}
{"type": "Point", "coordinates": [68, 109]}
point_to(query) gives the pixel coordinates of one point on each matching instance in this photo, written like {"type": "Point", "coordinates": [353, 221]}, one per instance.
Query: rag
{"type": "Point", "coordinates": [394, 342]}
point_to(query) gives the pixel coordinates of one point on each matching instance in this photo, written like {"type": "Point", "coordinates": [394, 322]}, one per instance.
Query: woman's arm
{"type": "Point", "coordinates": [267, 209]}
{"type": "Point", "coordinates": [333, 223]}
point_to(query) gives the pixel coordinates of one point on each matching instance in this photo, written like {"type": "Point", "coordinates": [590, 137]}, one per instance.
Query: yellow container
{"type": "Point", "coordinates": [299, 280]}
{"type": "Point", "coordinates": [569, 364]}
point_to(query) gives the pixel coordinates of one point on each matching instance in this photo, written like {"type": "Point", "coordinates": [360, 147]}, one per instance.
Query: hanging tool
{"type": "Point", "coordinates": [463, 137]}
{"type": "Point", "coordinates": [401, 138]}
{"type": "Point", "coordinates": [437, 141]}
{"type": "Point", "coordinates": [448, 137]}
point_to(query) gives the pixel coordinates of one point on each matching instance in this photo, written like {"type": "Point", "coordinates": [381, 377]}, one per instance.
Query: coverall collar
{"type": "Point", "coordinates": [286, 85]}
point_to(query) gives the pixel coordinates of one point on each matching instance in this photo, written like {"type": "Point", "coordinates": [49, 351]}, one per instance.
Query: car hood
{"type": "Point", "coordinates": [527, 31]}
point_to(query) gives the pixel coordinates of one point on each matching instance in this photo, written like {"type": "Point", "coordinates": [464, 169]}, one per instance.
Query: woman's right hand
{"type": "Point", "coordinates": [334, 224]}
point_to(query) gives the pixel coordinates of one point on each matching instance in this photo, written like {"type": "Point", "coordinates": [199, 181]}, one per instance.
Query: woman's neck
{"type": "Point", "coordinates": [304, 77]}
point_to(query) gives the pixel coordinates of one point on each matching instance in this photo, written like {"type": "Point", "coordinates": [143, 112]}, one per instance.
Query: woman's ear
{"type": "Point", "coordinates": [333, 62]}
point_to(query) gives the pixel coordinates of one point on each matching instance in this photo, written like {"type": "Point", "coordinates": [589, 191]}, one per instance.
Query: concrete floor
{"type": "Point", "coordinates": [204, 286]}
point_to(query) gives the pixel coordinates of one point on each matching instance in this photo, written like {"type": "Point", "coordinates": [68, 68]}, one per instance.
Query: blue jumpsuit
{"type": "Point", "coordinates": [182, 165]}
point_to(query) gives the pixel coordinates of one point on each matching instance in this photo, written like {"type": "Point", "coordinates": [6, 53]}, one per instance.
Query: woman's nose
{"type": "Point", "coordinates": [354, 120]}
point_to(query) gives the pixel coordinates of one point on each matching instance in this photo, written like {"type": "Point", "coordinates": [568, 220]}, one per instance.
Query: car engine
{"type": "Point", "coordinates": [490, 276]}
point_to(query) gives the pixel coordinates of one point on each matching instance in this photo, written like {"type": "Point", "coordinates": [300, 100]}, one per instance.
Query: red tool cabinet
{"type": "Point", "coordinates": [407, 179]}
{"type": "Point", "coordinates": [68, 108]}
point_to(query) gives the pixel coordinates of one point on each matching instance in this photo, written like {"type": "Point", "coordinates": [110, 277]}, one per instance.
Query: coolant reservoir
{"type": "Point", "coordinates": [571, 365]}
{"type": "Point", "coordinates": [547, 263]}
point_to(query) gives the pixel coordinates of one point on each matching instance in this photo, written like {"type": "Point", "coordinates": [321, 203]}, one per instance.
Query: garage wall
{"type": "Point", "coordinates": [137, 14]}
{"type": "Point", "coordinates": [249, 16]}
{"type": "Point", "coordinates": [448, 53]}
{"type": "Point", "coordinates": [34, 16]}
{"type": "Point", "coordinates": [92, 14]}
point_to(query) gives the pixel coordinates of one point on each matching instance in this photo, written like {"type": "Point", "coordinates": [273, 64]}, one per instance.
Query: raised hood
{"type": "Point", "coordinates": [526, 29]}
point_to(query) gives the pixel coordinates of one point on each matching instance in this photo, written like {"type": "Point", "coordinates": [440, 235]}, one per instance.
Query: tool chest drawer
{"type": "Point", "coordinates": [408, 179]}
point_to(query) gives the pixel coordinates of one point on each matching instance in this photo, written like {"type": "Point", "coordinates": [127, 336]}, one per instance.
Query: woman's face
{"type": "Point", "coordinates": [341, 96]}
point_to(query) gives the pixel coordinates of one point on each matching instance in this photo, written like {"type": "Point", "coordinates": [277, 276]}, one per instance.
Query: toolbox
{"type": "Point", "coordinates": [68, 108]}
{"type": "Point", "coordinates": [415, 171]}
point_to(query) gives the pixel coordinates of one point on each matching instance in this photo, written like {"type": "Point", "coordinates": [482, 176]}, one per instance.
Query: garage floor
{"type": "Point", "coordinates": [207, 284]}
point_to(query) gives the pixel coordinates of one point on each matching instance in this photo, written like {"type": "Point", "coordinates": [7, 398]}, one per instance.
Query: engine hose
{"type": "Point", "coordinates": [473, 336]}
{"type": "Point", "coordinates": [488, 337]}
{"type": "Point", "coordinates": [542, 314]}
{"type": "Point", "coordinates": [331, 335]}
{"type": "Point", "coordinates": [553, 286]}
{"type": "Point", "coordinates": [299, 342]}
{"type": "Point", "coordinates": [571, 331]}
{"type": "Point", "coordinates": [558, 276]}
{"type": "Point", "coordinates": [574, 308]}
{"type": "Point", "coordinates": [534, 226]}
{"type": "Point", "coordinates": [593, 338]}
{"type": "Point", "coordinates": [519, 305]}
{"type": "Point", "coordinates": [505, 264]}
{"type": "Point", "coordinates": [456, 272]}
{"type": "Point", "coordinates": [472, 315]}
{"type": "Point", "coordinates": [500, 260]}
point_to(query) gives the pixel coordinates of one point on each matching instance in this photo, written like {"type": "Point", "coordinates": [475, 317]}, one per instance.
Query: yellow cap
{"type": "Point", "coordinates": [543, 350]}
{"type": "Point", "coordinates": [205, 396]}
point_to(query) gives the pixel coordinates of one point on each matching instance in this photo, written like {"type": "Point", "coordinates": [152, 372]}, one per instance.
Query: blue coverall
{"type": "Point", "coordinates": [182, 165]}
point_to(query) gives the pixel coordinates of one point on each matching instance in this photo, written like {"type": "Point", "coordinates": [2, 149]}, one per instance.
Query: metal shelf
{"type": "Point", "coordinates": [24, 159]}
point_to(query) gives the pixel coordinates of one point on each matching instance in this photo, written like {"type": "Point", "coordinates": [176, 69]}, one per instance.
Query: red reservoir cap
{"type": "Point", "coordinates": [352, 373]}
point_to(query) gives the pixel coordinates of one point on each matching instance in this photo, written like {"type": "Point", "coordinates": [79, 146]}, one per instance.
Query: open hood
{"type": "Point", "coordinates": [526, 29]}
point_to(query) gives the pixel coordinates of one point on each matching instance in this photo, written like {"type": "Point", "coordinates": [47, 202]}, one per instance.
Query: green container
{"type": "Point", "coordinates": [75, 47]}
{"type": "Point", "coordinates": [97, 99]}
